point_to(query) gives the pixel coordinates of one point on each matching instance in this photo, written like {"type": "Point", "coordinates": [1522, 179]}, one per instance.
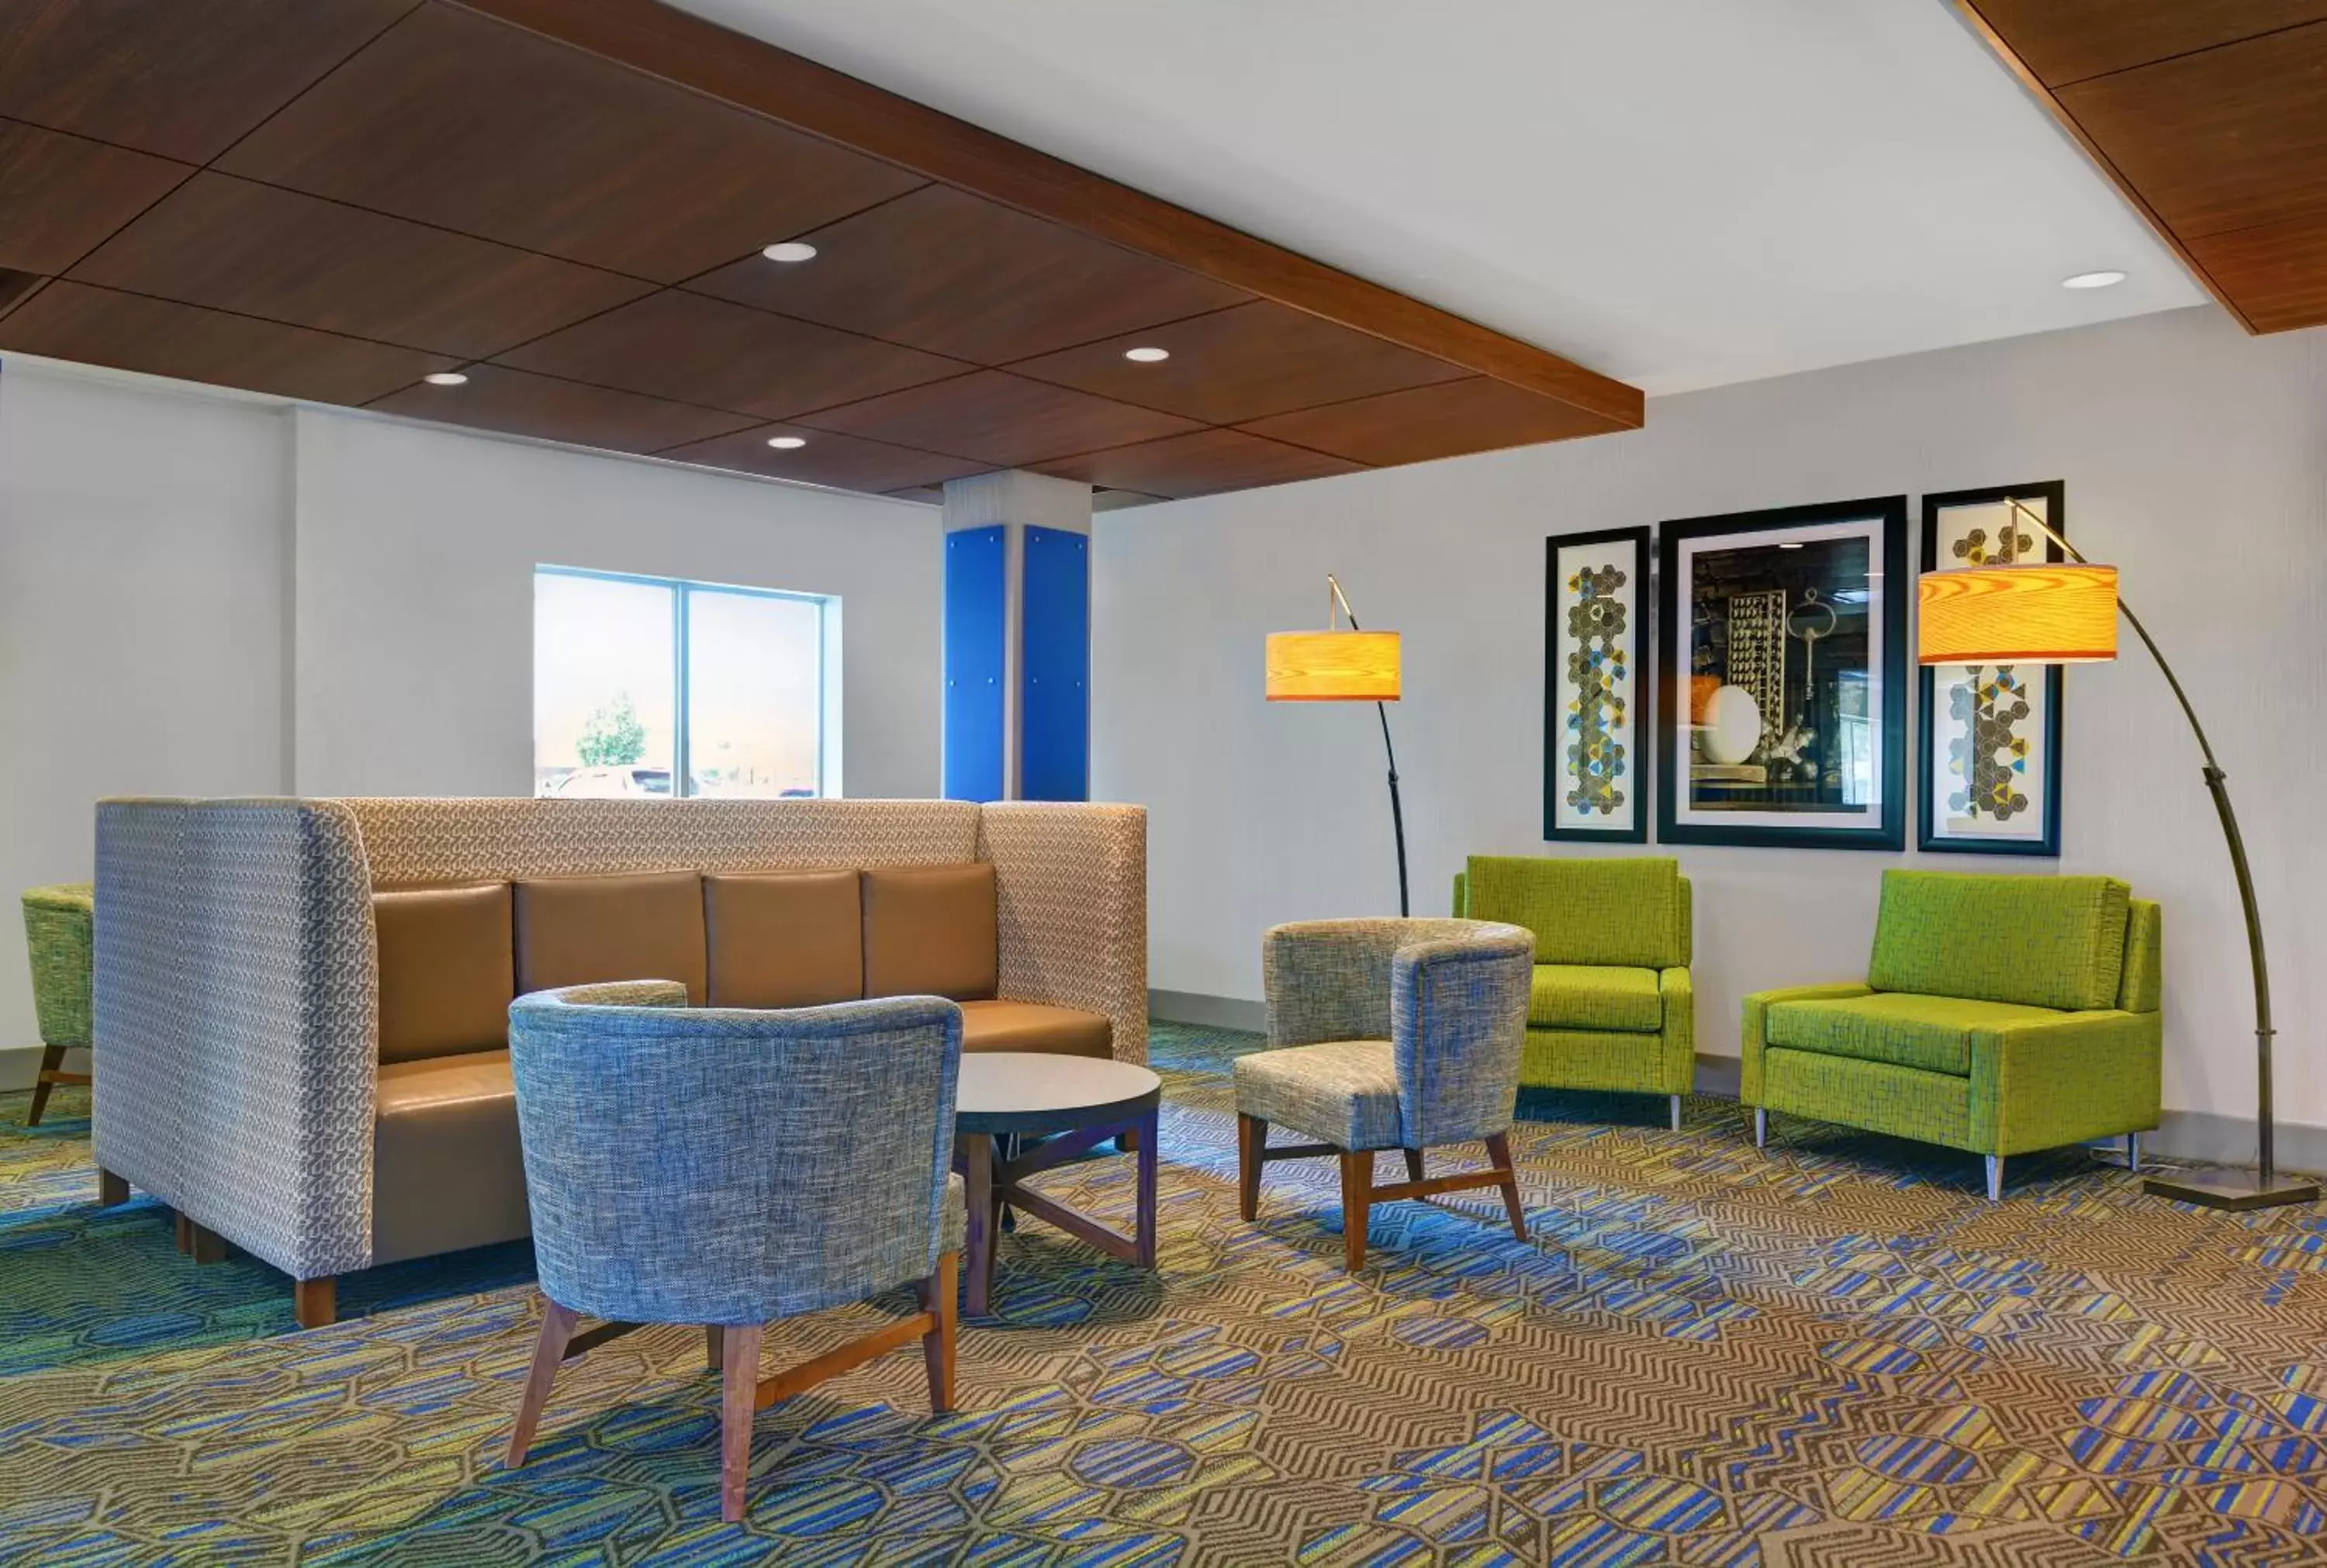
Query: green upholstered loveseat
{"type": "Point", "coordinates": [1610, 1006]}
{"type": "Point", "coordinates": [2000, 1014]}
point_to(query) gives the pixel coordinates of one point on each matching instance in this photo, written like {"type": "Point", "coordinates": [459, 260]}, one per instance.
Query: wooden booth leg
{"type": "Point", "coordinates": [315, 1302]}
{"type": "Point", "coordinates": [111, 1189]}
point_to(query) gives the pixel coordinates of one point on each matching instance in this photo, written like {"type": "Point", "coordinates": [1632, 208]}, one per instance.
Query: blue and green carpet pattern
{"type": "Point", "coordinates": [1834, 1353]}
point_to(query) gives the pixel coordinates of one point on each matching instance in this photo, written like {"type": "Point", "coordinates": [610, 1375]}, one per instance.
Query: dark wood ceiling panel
{"type": "Point", "coordinates": [1424, 423]}
{"type": "Point", "coordinates": [1243, 363]}
{"type": "Point", "coordinates": [179, 78]}
{"type": "Point", "coordinates": [683, 47]}
{"type": "Point", "coordinates": [250, 249]}
{"type": "Point", "coordinates": [61, 195]}
{"type": "Point", "coordinates": [1200, 463]}
{"type": "Point", "coordinates": [581, 158]}
{"type": "Point", "coordinates": [2232, 138]}
{"type": "Point", "coordinates": [2209, 115]}
{"type": "Point", "coordinates": [2277, 273]}
{"type": "Point", "coordinates": [1003, 421]}
{"type": "Point", "coordinates": [96, 326]}
{"type": "Point", "coordinates": [955, 274]}
{"type": "Point", "coordinates": [516, 403]}
{"type": "Point", "coordinates": [842, 461]}
{"type": "Point", "coordinates": [696, 349]}
{"type": "Point", "coordinates": [2066, 41]}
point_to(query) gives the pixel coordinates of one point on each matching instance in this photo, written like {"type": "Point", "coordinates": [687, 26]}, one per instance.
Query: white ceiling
{"type": "Point", "coordinates": [1677, 193]}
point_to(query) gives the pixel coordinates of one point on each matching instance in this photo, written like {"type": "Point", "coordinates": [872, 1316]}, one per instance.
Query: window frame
{"type": "Point", "coordinates": [682, 590]}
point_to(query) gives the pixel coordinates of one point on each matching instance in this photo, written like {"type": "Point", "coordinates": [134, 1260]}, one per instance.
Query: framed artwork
{"type": "Point", "coordinates": [1784, 664]}
{"type": "Point", "coordinates": [1595, 687]}
{"type": "Point", "coordinates": [1990, 751]}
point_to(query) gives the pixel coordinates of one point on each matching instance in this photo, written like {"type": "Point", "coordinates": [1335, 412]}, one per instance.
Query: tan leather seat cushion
{"type": "Point", "coordinates": [1035, 1026]}
{"type": "Point", "coordinates": [447, 1170]}
{"type": "Point", "coordinates": [784, 938]}
{"type": "Point", "coordinates": [446, 971]}
{"type": "Point", "coordinates": [929, 930]}
{"type": "Point", "coordinates": [573, 930]}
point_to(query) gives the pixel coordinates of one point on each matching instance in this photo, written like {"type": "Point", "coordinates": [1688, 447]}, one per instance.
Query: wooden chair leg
{"type": "Point", "coordinates": [712, 1341]}
{"type": "Point", "coordinates": [1414, 1164]}
{"type": "Point", "coordinates": [936, 1296]}
{"type": "Point", "coordinates": [53, 1057]}
{"type": "Point", "coordinates": [1252, 1139]}
{"type": "Point", "coordinates": [1357, 1197]}
{"type": "Point", "coordinates": [1499, 1151]}
{"type": "Point", "coordinates": [181, 1235]}
{"type": "Point", "coordinates": [204, 1246]}
{"type": "Point", "coordinates": [111, 1189]}
{"type": "Point", "coordinates": [738, 1401]}
{"type": "Point", "coordinates": [315, 1302]}
{"type": "Point", "coordinates": [549, 1350]}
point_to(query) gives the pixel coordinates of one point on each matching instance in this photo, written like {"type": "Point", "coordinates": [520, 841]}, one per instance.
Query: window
{"type": "Point", "coordinates": [647, 687]}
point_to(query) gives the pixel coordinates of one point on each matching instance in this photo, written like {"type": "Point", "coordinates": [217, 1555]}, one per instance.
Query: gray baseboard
{"type": "Point", "coordinates": [1212, 1011]}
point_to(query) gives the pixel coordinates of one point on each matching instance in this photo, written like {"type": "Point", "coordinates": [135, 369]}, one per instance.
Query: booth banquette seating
{"type": "Point", "coordinates": [305, 1003]}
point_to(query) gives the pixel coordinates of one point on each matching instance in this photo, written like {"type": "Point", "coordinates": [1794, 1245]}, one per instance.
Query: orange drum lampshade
{"type": "Point", "coordinates": [2053, 613]}
{"type": "Point", "coordinates": [1333, 667]}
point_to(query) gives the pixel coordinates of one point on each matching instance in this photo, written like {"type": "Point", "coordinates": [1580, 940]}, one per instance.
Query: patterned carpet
{"type": "Point", "coordinates": [1833, 1355]}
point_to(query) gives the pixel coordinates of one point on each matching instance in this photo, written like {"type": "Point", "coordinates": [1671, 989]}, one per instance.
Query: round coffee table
{"type": "Point", "coordinates": [1072, 1104]}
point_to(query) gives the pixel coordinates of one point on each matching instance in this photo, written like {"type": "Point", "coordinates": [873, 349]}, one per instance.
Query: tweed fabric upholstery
{"type": "Point", "coordinates": [1594, 996]}
{"type": "Point", "coordinates": [1930, 1032]}
{"type": "Point", "coordinates": [2142, 989]}
{"type": "Point", "coordinates": [1448, 996]}
{"type": "Point", "coordinates": [59, 937]}
{"type": "Point", "coordinates": [1071, 891]}
{"type": "Point", "coordinates": [1343, 1092]}
{"type": "Point", "coordinates": [409, 840]}
{"type": "Point", "coordinates": [720, 1165]}
{"type": "Point", "coordinates": [1626, 910]}
{"type": "Point", "coordinates": [2041, 941]}
{"type": "Point", "coordinates": [2066, 1078]}
{"type": "Point", "coordinates": [1680, 1054]}
{"type": "Point", "coordinates": [236, 1009]}
{"type": "Point", "coordinates": [1933, 1108]}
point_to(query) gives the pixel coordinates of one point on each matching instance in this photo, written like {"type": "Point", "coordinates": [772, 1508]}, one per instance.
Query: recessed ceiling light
{"type": "Point", "coordinates": [1146, 356]}
{"type": "Point", "coordinates": [1788, 544]}
{"type": "Point", "coordinates": [791, 250]}
{"type": "Point", "coordinates": [2103, 279]}
{"type": "Point", "coordinates": [445, 379]}
{"type": "Point", "coordinates": [787, 443]}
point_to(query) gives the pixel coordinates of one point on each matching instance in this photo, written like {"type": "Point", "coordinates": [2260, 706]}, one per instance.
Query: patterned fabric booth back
{"type": "Point", "coordinates": [720, 1165]}
{"type": "Point", "coordinates": [2065, 942]}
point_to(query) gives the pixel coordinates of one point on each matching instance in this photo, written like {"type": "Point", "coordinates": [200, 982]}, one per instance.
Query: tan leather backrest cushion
{"type": "Point", "coordinates": [572, 931]}
{"type": "Point", "coordinates": [929, 932]}
{"type": "Point", "coordinates": [445, 974]}
{"type": "Point", "coordinates": [788, 938]}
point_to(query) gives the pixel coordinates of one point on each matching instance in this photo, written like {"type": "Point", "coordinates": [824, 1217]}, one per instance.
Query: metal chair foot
{"type": "Point", "coordinates": [1760, 1128]}
{"type": "Point", "coordinates": [2133, 1151]}
{"type": "Point", "coordinates": [1994, 1178]}
{"type": "Point", "coordinates": [1676, 1113]}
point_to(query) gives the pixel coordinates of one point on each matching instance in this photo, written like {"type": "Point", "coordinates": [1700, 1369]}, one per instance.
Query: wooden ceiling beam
{"type": "Point", "coordinates": [686, 50]}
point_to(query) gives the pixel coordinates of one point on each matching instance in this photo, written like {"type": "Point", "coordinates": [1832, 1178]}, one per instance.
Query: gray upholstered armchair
{"type": "Point", "coordinates": [1388, 1034]}
{"type": "Point", "coordinates": [727, 1167]}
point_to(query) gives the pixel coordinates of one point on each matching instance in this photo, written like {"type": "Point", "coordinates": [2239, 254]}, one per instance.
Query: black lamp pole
{"type": "Point", "coordinates": [1397, 813]}
{"type": "Point", "coordinates": [2229, 1189]}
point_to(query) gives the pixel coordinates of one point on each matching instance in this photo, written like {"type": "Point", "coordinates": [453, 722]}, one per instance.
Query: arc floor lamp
{"type": "Point", "coordinates": [1335, 666]}
{"type": "Point", "coordinates": [2066, 612]}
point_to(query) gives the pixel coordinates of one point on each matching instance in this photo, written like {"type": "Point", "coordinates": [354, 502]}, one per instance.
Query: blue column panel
{"type": "Point", "coordinates": [976, 627]}
{"type": "Point", "coordinates": [1054, 668]}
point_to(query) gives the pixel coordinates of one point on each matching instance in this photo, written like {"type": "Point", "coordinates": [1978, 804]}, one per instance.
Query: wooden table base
{"type": "Point", "coordinates": [994, 1183]}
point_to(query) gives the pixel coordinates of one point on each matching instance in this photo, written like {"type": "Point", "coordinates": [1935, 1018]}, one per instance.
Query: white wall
{"type": "Point", "coordinates": [2195, 459]}
{"type": "Point", "coordinates": [416, 559]}
{"type": "Point", "coordinates": [203, 594]}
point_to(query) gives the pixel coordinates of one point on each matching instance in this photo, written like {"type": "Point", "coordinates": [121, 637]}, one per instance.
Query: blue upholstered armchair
{"type": "Point", "coordinates": [727, 1167]}
{"type": "Point", "coordinates": [1388, 1034]}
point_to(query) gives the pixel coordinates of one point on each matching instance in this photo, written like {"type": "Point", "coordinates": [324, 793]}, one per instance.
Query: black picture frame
{"type": "Point", "coordinates": [1640, 700]}
{"type": "Point", "coordinates": [2053, 494]}
{"type": "Point", "coordinates": [1887, 518]}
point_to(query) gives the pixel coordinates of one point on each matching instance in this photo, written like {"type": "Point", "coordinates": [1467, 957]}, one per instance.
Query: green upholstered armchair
{"type": "Point", "coordinates": [2000, 1014]}
{"type": "Point", "coordinates": [1610, 1006]}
